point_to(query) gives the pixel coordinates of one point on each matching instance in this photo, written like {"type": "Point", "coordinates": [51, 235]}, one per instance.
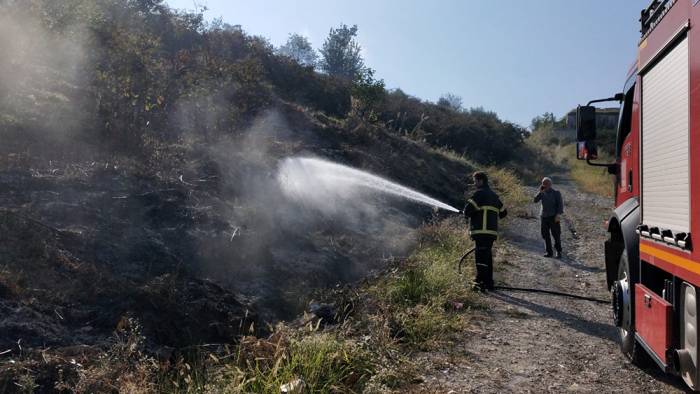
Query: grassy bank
{"type": "Point", "coordinates": [589, 179]}
{"type": "Point", "coordinates": [419, 303]}
{"type": "Point", "coordinates": [366, 343]}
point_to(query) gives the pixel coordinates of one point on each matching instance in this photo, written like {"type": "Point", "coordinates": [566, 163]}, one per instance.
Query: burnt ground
{"type": "Point", "coordinates": [191, 245]}
{"type": "Point", "coordinates": [527, 342]}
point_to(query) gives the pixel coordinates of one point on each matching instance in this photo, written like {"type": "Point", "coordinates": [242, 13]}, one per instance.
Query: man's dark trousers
{"type": "Point", "coordinates": [484, 260]}
{"type": "Point", "coordinates": [550, 225]}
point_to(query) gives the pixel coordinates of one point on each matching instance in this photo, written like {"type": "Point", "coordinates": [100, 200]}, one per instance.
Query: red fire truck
{"type": "Point", "coordinates": [652, 265]}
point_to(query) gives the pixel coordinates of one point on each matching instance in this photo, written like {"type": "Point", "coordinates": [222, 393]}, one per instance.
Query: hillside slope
{"type": "Point", "coordinates": [138, 189]}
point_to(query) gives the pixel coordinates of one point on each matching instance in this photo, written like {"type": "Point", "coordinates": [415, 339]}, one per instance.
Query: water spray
{"type": "Point", "coordinates": [322, 182]}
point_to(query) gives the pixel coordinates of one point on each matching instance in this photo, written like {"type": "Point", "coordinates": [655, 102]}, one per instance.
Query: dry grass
{"type": "Point", "coordinates": [318, 361]}
{"type": "Point", "coordinates": [510, 188]}
{"type": "Point", "coordinates": [590, 179]}
{"type": "Point", "coordinates": [505, 180]}
{"type": "Point", "coordinates": [420, 304]}
{"type": "Point", "coordinates": [427, 298]}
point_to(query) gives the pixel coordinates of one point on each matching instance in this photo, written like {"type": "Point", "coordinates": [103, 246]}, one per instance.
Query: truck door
{"type": "Point", "coordinates": [627, 148]}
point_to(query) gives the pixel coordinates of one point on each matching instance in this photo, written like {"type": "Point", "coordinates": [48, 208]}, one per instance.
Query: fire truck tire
{"type": "Point", "coordinates": [629, 346]}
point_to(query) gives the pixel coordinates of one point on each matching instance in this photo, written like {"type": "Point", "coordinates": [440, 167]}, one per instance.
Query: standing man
{"type": "Point", "coordinates": [484, 209]}
{"type": "Point", "coordinates": [550, 214]}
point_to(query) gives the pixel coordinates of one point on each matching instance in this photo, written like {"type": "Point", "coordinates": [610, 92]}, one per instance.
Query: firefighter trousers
{"type": "Point", "coordinates": [484, 260]}
{"type": "Point", "coordinates": [550, 226]}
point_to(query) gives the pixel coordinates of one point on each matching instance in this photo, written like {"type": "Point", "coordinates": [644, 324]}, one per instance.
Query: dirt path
{"type": "Point", "coordinates": [529, 342]}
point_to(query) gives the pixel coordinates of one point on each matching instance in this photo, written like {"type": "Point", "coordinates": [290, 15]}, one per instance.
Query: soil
{"type": "Point", "coordinates": [529, 342]}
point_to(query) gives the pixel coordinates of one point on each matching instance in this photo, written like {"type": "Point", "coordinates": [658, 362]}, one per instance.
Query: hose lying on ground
{"type": "Point", "coordinates": [551, 292]}
{"type": "Point", "coordinates": [531, 290]}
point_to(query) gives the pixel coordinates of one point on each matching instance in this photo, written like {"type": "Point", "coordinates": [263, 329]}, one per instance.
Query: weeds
{"type": "Point", "coordinates": [421, 304]}
{"type": "Point", "coordinates": [322, 362]}
{"type": "Point", "coordinates": [313, 362]}
{"type": "Point", "coordinates": [125, 367]}
{"type": "Point", "coordinates": [418, 306]}
{"type": "Point", "coordinates": [507, 183]}
{"type": "Point", "coordinates": [410, 288]}
{"type": "Point", "coordinates": [423, 326]}
{"type": "Point", "coordinates": [588, 178]}
{"type": "Point", "coordinates": [427, 298]}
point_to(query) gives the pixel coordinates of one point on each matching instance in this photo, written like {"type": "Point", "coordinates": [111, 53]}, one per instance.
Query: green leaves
{"type": "Point", "coordinates": [341, 53]}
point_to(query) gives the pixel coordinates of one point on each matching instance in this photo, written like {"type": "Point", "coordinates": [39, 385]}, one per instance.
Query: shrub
{"type": "Point", "coordinates": [324, 364]}
{"type": "Point", "coordinates": [297, 83]}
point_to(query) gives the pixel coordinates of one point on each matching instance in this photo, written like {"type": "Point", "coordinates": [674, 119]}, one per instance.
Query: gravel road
{"type": "Point", "coordinates": [527, 342]}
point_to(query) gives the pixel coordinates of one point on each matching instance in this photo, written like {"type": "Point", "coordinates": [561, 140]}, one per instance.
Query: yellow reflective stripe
{"type": "Point", "coordinates": [503, 208]}
{"type": "Point", "coordinates": [670, 258]}
{"type": "Point", "coordinates": [484, 220]}
{"type": "Point", "coordinates": [484, 207]}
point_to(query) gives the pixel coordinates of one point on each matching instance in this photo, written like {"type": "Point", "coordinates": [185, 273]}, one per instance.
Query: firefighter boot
{"type": "Point", "coordinates": [484, 267]}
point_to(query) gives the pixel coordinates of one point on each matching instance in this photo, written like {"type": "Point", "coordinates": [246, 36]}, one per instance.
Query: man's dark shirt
{"type": "Point", "coordinates": [552, 203]}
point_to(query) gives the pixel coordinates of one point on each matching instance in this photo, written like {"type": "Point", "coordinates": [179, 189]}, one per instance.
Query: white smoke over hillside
{"type": "Point", "coordinates": [40, 73]}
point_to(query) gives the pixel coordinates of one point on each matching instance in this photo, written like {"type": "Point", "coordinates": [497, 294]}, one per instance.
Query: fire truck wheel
{"type": "Point", "coordinates": [625, 312]}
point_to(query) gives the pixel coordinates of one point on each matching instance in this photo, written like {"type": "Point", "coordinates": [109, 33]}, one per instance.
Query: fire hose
{"type": "Point", "coordinates": [532, 290]}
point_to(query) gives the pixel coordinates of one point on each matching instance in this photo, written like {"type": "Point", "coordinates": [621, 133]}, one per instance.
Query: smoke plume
{"type": "Point", "coordinates": [41, 74]}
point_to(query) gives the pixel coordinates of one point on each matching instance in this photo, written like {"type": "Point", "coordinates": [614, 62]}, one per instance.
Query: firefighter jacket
{"type": "Point", "coordinates": [484, 209]}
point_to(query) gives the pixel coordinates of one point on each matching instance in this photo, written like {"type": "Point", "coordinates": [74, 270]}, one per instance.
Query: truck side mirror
{"type": "Point", "coordinates": [585, 123]}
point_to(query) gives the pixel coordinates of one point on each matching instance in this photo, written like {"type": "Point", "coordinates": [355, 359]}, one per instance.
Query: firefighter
{"type": "Point", "coordinates": [550, 216]}
{"type": "Point", "coordinates": [484, 208]}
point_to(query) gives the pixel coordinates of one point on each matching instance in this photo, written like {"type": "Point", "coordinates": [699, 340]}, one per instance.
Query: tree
{"type": "Point", "coordinates": [341, 53]}
{"type": "Point", "coordinates": [451, 101]}
{"type": "Point", "coordinates": [368, 92]}
{"type": "Point", "coordinates": [545, 120]}
{"type": "Point", "coordinates": [299, 49]}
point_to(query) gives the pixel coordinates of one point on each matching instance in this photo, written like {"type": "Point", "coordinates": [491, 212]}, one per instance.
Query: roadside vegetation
{"type": "Point", "coordinates": [551, 141]}
{"type": "Point", "coordinates": [419, 303]}
{"type": "Point", "coordinates": [363, 343]}
{"type": "Point", "coordinates": [588, 178]}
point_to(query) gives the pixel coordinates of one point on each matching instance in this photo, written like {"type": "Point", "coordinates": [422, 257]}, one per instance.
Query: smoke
{"type": "Point", "coordinates": [276, 247]}
{"type": "Point", "coordinates": [41, 73]}
{"type": "Point", "coordinates": [222, 209]}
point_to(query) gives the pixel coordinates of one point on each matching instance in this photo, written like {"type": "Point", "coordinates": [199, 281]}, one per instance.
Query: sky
{"type": "Point", "coordinates": [519, 58]}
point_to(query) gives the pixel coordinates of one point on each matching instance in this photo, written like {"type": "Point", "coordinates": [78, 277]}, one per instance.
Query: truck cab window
{"type": "Point", "coordinates": [625, 122]}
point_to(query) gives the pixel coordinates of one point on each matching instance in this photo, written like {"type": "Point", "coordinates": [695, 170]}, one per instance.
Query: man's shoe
{"type": "Point", "coordinates": [548, 255]}
{"type": "Point", "coordinates": [478, 289]}
{"type": "Point", "coordinates": [559, 256]}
